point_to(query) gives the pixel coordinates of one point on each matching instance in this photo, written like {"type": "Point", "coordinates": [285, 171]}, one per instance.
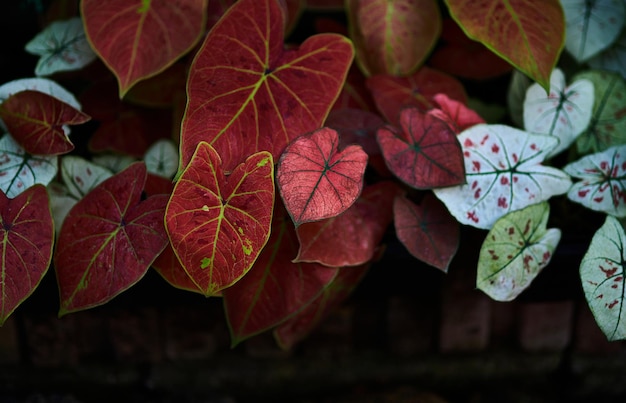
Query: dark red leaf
{"type": "Point", "coordinates": [36, 120]}
{"type": "Point", "coordinates": [316, 180]}
{"type": "Point", "coordinates": [458, 116]}
{"type": "Point", "coordinates": [108, 240]}
{"type": "Point", "coordinates": [27, 234]}
{"type": "Point", "coordinates": [169, 267]}
{"type": "Point", "coordinates": [354, 93]}
{"type": "Point", "coordinates": [392, 94]}
{"type": "Point", "coordinates": [356, 126]}
{"type": "Point", "coordinates": [160, 91]}
{"type": "Point", "coordinates": [219, 224]}
{"type": "Point", "coordinates": [248, 93]}
{"type": "Point", "coordinates": [158, 185]}
{"type": "Point", "coordinates": [424, 153]}
{"type": "Point", "coordinates": [351, 238]}
{"type": "Point", "coordinates": [298, 327]}
{"type": "Point", "coordinates": [428, 231]}
{"type": "Point", "coordinates": [274, 289]}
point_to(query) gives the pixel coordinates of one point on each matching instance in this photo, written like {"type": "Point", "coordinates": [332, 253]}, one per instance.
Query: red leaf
{"type": "Point", "coordinates": [354, 93]}
{"type": "Point", "coordinates": [157, 185]}
{"type": "Point", "coordinates": [315, 180]}
{"type": "Point", "coordinates": [218, 225]}
{"type": "Point", "coordinates": [138, 39]}
{"type": "Point", "coordinates": [108, 240]}
{"type": "Point", "coordinates": [35, 120]}
{"type": "Point", "coordinates": [356, 126]}
{"type": "Point", "coordinates": [351, 238]}
{"type": "Point", "coordinates": [247, 93]}
{"type": "Point", "coordinates": [169, 267]}
{"type": "Point", "coordinates": [428, 231]}
{"type": "Point", "coordinates": [160, 91]}
{"type": "Point", "coordinates": [27, 234]}
{"type": "Point", "coordinates": [392, 94]}
{"type": "Point", "coordinates": [274, 289]}
{"type": "Point", "coordinates": [462, 57]}
{"type": "Point", "coordinates": [298, 327]}
{"type": "Point", "coordinates": [425, 153]}
{"type": "Point", "coordinates": [458, 116]}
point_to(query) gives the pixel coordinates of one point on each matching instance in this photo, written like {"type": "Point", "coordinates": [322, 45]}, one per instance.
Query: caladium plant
{"type": "Point", "coordinates": [244, 163]}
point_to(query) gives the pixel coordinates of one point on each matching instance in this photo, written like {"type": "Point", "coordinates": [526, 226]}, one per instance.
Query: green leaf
{"type": "Point", "coordinates": [516, 249]}
{"type": "Point", "coordinates": [602, 277]}
{"type": "Point", "coordinates": [162, 158]}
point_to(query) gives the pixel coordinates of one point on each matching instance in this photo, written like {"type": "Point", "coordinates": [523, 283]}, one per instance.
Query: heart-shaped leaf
{"type": "Point", "coordinates": [608, 123]}
{"type": "Point", "coordinates": [316, 180]}
{"type": "Point", "coordinates": [20, 170]}
{"type": "Point", "coordinates": [162, 158]}
{"type": "Point", "coordinates": [275, 289]}
{"type": "Point", "coordinates": [456, 114]}
{"type": "Point", "coordinates": [247, 93]}
{"type": "Point", "coordinates": [603, 185]}
{"type": "Point", "coordinates": [529, 34]}
{"type": "Point", "coordinates": [393, 37]}
{"type": "Point", "coordinates": [138, 39]}
{"type": "Point", "coordinates": [299, 326]}
{"type": "Point", "coordinates": [62, 46]}
{"type": "Point", "coordinates": [36, 120]}
{"type": "Point", "coordinates": [349, 239]}
{"type": "Point", "coordinates": [592, 26]}
{"type": "Point", "coordinates": [504, 173]}
{"type": "Point", "coordinates": [219, 224]}
{"type": "Point", "coordinates": [392, 94]}
{"type": "Point", "coordinates": [565, 112]}
{"type": "Point", "coordinates": [27, 235]}
{"type": "Point", "coordinates": [612, 59]}
{"type": "Point", "coordinates": [427, 231]}
{"type": "Point", "coordinates": [516, 249]}
{"type": "Point", "coordinates": [424, 153]}
{"type": "Point", "coordinates": [602, 276]}
{"type": "Point", "coordinates": [108, 241]}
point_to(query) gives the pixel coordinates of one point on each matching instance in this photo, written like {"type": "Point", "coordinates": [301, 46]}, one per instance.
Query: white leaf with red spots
{"type": "Point", "coordinates": [516, 249]}
{"type": "Point", "coordinates": [20, 170]}
{"type": "Point", "coordinates": [81, 176]}
{"type": "Point", "coordinates": [603, 184]}
{"type": "Point", "coordinates": [602, 277]}
{"type": "Point", "coordinates": [563, 113]}
{"type": "Point", "coordinates": [503, 173]}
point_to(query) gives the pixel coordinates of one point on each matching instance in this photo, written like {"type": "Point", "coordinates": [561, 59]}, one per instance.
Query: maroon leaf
{"type": "Point", "coordinates": [315, 180]}
{"type": "Point", "coordinates": [274, 289]}
{"type": "Point", "coordinates": [35, 120]}
{"type": "Point", "coordinates": [298, 327]}
{"type": "Point", "coordinates": [169, 267]}
{"type": "Point", "coordinates": [248, 93]}
{"type": "Point", "coordinates": [354, 93]}
{"type": "Point", "coordinates": [425, 153]}
{"type": "Point", "coordinates": [392, 94]}
{"type": "Point", "coordinates": [351, 238]}
{"type": "Point", "coordinates": [108, 240]}
{"type": "Point", "coordinates": [356, 126]}
{"type": "Point", "coordinates": [428, 231]}
{"type": "Point", "coordinates": [218, 225]}
{"type": "Point", "coordinates": [27, 236]}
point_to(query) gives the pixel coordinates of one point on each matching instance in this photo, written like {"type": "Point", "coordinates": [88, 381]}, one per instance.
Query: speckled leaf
{"type": "Point", "coordinates": [424, 152]}
{"type": "Point", "coordinates": [316, 180]}
{"type": "Point", "coordinates": [592, 26]}
{"type": "Point", "coordinates": [108, 241]}
{"type": "Point", "coordinates": [27, 236]}
{"type": "Point", "coordinates": [608, 123]}
{"type": "Point", "coordinates": [529, 34]}
{"type": "Point", "coordinates": [612, 59]}
{"type": "Point", "coordinates": [162, 158]}
{"type": "Point", "coordinates": [20, 170]}
{"type": "Point", "coordinates": [138, 39]}
{"type": "Point", "coordinates": [275, 289]}
{"type": "Point", "coordinates": [603, 184]}
{"type": "Point", "coordinates": [248, 93]}
{"type": "Point", "coordinates": [504, 173]}
{"type": "Point", "coordinates": [516, 249]}
{"type": "Point", "coordinates": [393, 37]}
{"type": "Point", "coordinates": [62, 46]}
{"type": "Point", "coordinates": [427, 230]}
{"type": "Point", "coordinates": [565, 112]}
{"type": "Point", "coordinates": [602, 276]}
{"type": "Point", "coordinates": [219, 224]}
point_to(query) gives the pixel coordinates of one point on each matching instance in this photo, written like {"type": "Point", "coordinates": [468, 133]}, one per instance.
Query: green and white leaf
{"type": "Point", "coordinates": [162, 158]}
{"type": "Point", "coordinates": [564, 113]}
{"type": "Point", "coordinates": [20, 170]}
{"type": "Point", "coordinates": [63, 46]}
{"type": "Point", "coordinates": [113, 162]}
{"type": "Point", "coordinates": [591, 26]}
{"type": "Point", "coordinates": [602, 276]}
{"type": "Point", "coordinates": [612, 59]}
{"type": "Point", "coordinates": [608, 122]}
{"type": "Point", "coordinates": [516, 249]}
{"type": "Point", "coordinates": [81, 176]}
